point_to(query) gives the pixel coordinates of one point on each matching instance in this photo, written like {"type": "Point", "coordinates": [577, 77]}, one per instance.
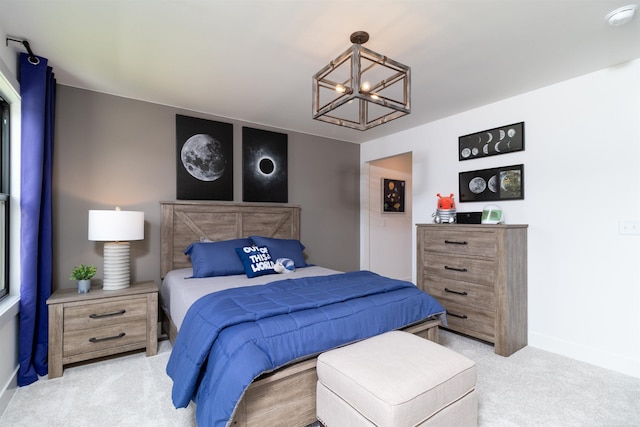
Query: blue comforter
{"type": "Point", "coordinates": [230, 337]}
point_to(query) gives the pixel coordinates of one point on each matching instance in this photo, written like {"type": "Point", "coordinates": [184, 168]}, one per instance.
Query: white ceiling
{"type": "Point", "coordinates": [253, 60]}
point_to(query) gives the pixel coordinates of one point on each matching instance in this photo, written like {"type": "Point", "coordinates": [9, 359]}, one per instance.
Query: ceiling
{"type": "Point", "coordinates": [253, 60]}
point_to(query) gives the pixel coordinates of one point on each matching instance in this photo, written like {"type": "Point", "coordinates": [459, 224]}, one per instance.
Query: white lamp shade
{"type": "Point", "coordinates": [116, 225]}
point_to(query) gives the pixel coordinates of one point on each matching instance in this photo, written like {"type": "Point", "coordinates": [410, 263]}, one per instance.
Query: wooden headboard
{"type": "Point", "coordinates": [185, 222]}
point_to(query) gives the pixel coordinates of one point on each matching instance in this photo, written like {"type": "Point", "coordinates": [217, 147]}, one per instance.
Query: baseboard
{"type": "Point", "coordinates": [7, 392]}
{"type": "Point", "coordinates": [591, 355]}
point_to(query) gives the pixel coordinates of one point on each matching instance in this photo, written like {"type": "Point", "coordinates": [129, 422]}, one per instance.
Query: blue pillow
{"type": "Point", "coordinates": [211, 259]}
{"type": "Point", "coordinates": [283, 248]}
{"type": "Point", "coordinates": [256, 260]}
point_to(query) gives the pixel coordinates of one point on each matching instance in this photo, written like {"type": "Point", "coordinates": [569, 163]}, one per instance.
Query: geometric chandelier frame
{"type": "Point", "coordinates": [361, 89]}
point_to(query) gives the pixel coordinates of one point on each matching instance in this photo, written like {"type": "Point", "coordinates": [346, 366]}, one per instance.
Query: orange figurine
{"type": "Point", "coordinates": [446, 212]}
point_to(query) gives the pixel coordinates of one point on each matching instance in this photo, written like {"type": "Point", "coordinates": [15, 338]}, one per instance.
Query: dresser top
{"type": "Point", "coordinates": [480, 226]}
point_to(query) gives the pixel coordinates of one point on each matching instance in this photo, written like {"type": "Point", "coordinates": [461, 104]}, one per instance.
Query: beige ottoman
{"type": "Point", "coordinates": [396, 379]}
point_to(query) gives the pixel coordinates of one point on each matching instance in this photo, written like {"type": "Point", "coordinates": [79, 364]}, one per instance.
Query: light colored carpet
{"type": "Point", "coordinates": [530, 388]}
{"type": "Point", "coordinates": [537, 388]}
{"type": "Point", "coordinates": [132, 390]}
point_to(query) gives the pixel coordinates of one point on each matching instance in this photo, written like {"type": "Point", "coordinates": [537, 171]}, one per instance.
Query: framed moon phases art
{"type": "Point", "coordinates": [204, 159]}
{"type": "Point", "coordinates": [264, 166]}
{"type": "Point", "coordinates": [505, 139]}
{"type": "Point", "coordinates": [505, 183]}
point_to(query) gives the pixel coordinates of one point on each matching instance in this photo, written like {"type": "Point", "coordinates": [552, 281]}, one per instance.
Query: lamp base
{"type": "Point", "coordinates": [116, 266]}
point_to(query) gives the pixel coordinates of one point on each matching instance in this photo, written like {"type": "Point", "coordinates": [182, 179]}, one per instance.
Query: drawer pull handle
{"type": "Point", "coordinates": [462, 270]}
{"type": "Point", "coordinates": [100, 316]}
{"type": "Point", "coordinates": [455, 242]}
{"type": "Point", "coordinates": [455, 292]}
{"type": "Point", "coordinates": [460, 316]}
{"type": "Point", "coordinates": [115, 337]}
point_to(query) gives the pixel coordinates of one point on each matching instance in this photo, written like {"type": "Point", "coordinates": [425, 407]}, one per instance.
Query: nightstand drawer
{"type": "Point", "coordinates": [105, 313]}
{"type": "Point", "coordinates": [464, 269]}
{"type": "Point", "coordinates": [461, 242]}
{"type": "Point", "coordinates": [106, 337]}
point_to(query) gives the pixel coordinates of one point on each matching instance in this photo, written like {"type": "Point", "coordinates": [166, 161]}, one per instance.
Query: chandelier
{"type": "Point", "coordinates": [361, 89]}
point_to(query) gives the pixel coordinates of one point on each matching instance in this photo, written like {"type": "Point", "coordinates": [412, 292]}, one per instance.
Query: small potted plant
{"type": "Point", "coordinates": [83, 274]}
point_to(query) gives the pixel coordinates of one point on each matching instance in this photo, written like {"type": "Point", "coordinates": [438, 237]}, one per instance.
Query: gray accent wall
{"type": "Point", "coordinates": [113, 151]}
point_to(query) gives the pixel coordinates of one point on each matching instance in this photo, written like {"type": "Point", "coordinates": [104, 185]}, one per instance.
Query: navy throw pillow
{"type": "Point", "coordinates": [256, 260]}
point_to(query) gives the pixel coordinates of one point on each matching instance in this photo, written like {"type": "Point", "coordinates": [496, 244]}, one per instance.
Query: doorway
{"type": "Point", "coordinates": [390, 234]}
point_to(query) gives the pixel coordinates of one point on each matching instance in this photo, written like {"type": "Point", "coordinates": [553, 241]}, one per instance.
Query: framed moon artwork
{"type": "Point", "coordinates": [393, 195]}
{"type": "Point", "coordinates": [505, 183]}
{"type": "Point", "coordinates": [264, 166]}
{"type": "Point", "coordinates": [204, 159]}
{"type": "Point", "coordinates": [505, 139]}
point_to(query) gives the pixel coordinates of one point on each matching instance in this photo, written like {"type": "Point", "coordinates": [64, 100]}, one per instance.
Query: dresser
{"type": "Point", "coordinates": [478, 273]}
{"type": "Point", "coordinates": [101, 323]}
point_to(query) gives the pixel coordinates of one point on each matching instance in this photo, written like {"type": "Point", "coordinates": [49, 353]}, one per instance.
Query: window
{"type": "Point", "coordinates": [4, 198]}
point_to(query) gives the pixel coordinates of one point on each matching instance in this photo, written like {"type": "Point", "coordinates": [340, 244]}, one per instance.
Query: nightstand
{"type": "Point", "coordinates": [101, 323]}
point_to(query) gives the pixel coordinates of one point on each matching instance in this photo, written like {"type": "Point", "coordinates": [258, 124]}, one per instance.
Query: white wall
{"type": "Point", "coordinates": [9, 306]}
{"type": "Point", "coordinates": [390, 234]}
{"type": "Point", "coordinates": [582, 176]}
{"type": "Point", "coordinates": [9, 354]}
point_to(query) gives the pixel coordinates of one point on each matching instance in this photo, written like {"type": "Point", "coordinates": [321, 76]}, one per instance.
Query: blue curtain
{"type": "Point", "coordinates": [37, 90]}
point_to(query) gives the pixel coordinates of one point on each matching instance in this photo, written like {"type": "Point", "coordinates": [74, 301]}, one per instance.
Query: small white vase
{"type": "Point", "coordinates": [84, 286]}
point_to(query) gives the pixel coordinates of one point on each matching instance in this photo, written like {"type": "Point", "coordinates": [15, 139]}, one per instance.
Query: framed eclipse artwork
{"type": "Point", "coordinates": [505, 183]}
{"type": "Point", "coordinates": [505, 139]}
{"type": "Point", "coordinates": [264, 166]}
{"type": "Point", "coordinates": [204, 159]}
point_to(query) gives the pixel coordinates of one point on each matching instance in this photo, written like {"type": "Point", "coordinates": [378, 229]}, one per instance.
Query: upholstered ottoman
{"type": "Point", "coordinates": [396, 379]}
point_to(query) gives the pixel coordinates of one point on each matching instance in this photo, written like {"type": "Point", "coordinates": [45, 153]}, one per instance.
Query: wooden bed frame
{"type": "Point", "coordinates": [286, 396]}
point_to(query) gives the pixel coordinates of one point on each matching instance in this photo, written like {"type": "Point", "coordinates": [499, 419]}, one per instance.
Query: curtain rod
{"type": "Point", "coordinates": [32, 57]}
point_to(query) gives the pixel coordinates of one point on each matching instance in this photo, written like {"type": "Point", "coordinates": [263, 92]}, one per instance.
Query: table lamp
{"type": "Point", "coordinates": [116, 228]}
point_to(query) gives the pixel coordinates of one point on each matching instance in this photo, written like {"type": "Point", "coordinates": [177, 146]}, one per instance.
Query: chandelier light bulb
{"type": "Point", "coordinates": [365, 87]}
{"type": "Point", "coordinates": [341, 89]}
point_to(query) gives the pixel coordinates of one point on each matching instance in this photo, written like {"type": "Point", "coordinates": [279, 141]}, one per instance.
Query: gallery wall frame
{"type": "Point", "coordinates": [204, 159]}
{"type": "Point", "coordinates": [264, 166]}
{"type": "Point", "coordinates": [393, 195]}
{"type": "Point", "coordinates": [503, 183]}
{"type": "Point", "coordinates": [492, 142]}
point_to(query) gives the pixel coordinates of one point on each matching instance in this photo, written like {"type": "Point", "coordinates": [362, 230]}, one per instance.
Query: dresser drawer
{"type": "Point", "coordinates": [461, 293]}
{"type": "Point", "coordinates": [471, 321]}
{"type": "Point", "coordinates": [104, 313]}
{"type": "Point", "coordinates": [461, 242]}
{"type": "Point", "coordinates": [85, 341]}
{"type": "Point", "coordinates": [480, 271]}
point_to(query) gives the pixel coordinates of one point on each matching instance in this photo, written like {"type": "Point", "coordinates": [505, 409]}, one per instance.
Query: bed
{"type": "Point", "coordinates": [285, 396]}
